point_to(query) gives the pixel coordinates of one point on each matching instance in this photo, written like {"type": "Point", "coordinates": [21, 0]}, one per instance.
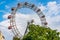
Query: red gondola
{"type": "Point", "coordinates": [9, 16]}
{"type": "Point", "coordinates": [10, 27]}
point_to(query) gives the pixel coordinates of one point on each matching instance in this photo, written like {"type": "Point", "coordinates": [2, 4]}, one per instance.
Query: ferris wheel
{"type": "Point", "coordinates": [13, 26]}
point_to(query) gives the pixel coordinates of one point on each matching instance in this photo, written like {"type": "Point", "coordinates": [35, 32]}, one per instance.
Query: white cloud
{"type": "Point", "coordinates": [6, 33]}
{"type": "Point", "coordinates": [2, 11]}
{"type": "Point", "coordinates": [21, 21]}
{"type": "Point", "coordinates": [6, 15]}
{"type": "Point", "coordinates": [2, 2]}
{"type": "Point", "coordinates": [42, 7]}
{"type": "Point", "coordinates": [51, 10]}
{"type": "Point", "coordinates": [7, 7]}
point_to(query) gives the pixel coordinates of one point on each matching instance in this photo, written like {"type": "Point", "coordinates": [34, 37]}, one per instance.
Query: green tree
{"type": "Point", "coordinates": [16, 38]}
{"type": "Point", "coordinates": [37, 32]}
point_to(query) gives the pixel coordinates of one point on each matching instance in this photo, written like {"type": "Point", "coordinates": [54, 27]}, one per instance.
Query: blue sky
{"type": "Point", "coordinates": [51, 9]}
{"type": "Point", "coordinates": [5, 5]}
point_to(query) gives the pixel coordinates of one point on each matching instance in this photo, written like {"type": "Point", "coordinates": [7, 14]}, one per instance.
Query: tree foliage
{"type": "Point", "coordinates": [16, 38]}
{"type": "Point", "coordinates": [37, 32]}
